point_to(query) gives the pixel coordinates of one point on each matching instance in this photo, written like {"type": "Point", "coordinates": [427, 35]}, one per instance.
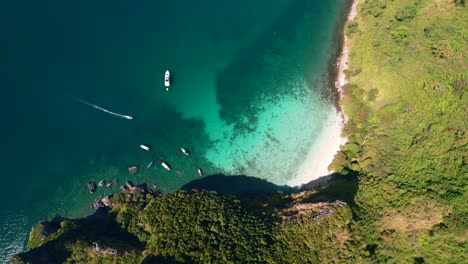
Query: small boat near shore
{"type": "Point", "coordinates": [166, 166]}
{"type": "Point", "coordinates": [167, 80]}
{"type": "Point", "coordinates": [145, 147]}
{"type": "Point", "coordinates": [102, 183]}
{"type": "Point", "coordinates": [132, 169]}
{"type": "Point", "coordinates": [200, 172]}
{"type": "Point", "coordinates": [186, 153]}
{"type": "Point", "coordinates": [150, 164]}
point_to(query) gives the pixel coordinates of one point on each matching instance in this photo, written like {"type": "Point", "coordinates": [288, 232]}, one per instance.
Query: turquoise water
{"type": "Point", "coordinates": [251, 94]}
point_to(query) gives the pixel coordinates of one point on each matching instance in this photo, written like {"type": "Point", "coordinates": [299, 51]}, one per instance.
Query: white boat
{"type": "Point", "coordinates": [200, 172]}
{"type": "Point", "coordinates": [128, 117]}
{"type": "Point", "coordinates": [150, 164]}
{"type": "Point", "coordinates": [166, 166]}
{"type": "Point", "coordinates": [186, 153]}
{"type": "Point", "coordinates": [145, 147]}
{"type": "Point", "coordinates": [167, 80]}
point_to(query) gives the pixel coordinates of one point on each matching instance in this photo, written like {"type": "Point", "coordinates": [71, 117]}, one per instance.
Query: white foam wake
{"type": "Point", "coordinates": [97, 107]}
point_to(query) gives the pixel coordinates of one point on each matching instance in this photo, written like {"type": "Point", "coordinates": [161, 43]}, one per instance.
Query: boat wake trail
{"type": "Point", "coordinates": [97, 107]}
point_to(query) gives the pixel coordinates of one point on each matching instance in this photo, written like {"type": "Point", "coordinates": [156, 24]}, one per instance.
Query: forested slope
{"type": "Point", "coordinates": [200, 227]}
{"type": "Point", "coordinates": [407, 106]}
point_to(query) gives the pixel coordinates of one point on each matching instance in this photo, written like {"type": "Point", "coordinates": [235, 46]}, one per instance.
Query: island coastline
{"type": "Point", "coordinates": [321, 155]}
{"type": "Point", "coordinates": [342, 62]}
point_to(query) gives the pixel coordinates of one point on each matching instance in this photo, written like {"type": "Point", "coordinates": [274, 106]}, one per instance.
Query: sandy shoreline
{"type": "Point", "coordinates": [343, 58]}
{"type": "Point", "coordinates": [319, 157]}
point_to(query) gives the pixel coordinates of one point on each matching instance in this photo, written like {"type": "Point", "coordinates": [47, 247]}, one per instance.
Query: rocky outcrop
{"type": "Point", "coordinates": [101, 249]}
{"type": "Point", "coordinates": [91, 187]}
{"type": "Point", "coordinates": [314, 211]}
{"type": "Point", "coordinates": [103, 202]}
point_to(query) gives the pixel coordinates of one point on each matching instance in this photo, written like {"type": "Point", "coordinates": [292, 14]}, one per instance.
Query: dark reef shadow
{"type": "Point", "coordinates": [235, 185]}
{"type": "Point", "coordinates": [242, 80]}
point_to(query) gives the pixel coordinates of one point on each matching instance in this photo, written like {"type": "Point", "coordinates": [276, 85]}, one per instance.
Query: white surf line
{"type": "Point", "coordinates": [98, 107]}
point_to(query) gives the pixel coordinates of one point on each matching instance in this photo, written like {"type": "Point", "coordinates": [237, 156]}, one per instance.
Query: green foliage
{"type": "Point", "coordinates": [372, 94]}
{"type": "Point", "coordinates": [409, 144]}
{"type": "Point", "coordinates": [37, 236]}
{"type": "Point", "coordinates": [205, 227]}
{"type": "Point", "coordinates": [400, 33]}
{"type": "Point", "coordinates": [443, 50]}
{"type": "Point", "coordinates": [83, 252]}
{"type": "Point", "coordinates": [329, 238]}
{"type": "Point", "coordinates": [405, 13]}
{"type": "Point", "coordinates": [375, 7]}
{"type": "Point", "coordinates": [352, 27]}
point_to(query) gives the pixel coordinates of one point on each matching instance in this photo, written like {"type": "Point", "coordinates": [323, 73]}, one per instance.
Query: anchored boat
{"type": "Point", "coordinates": [186, 153]}
{"type": "Point", "coordinates": [166, 166]}
{"type": "Point", "coordinates": [167, 80]}
{"type": "Point", "coordinates": [150, 164]}
{"type": "Point", "coordinates": [147, 148]}
{"type": "Point", "coordinates": [200, 172]}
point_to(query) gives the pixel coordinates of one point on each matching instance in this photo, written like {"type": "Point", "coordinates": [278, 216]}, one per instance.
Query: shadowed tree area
{"type": "Point", "coordinates": [262, 223]}
{"type": "Point", "coordinates": [61, 233]}
{"type": "Point", "coordinates": [235, 185]}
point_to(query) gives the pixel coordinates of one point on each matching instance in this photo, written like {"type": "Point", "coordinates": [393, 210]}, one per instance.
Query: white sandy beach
{"type": "Point", "coordinates": [321, 155]}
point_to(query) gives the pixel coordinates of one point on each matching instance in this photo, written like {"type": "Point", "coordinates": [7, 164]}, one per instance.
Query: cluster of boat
{"type": "Point", "coordinates": [133, 169]}
{"type": "Point", "coordinates": [164, 164]}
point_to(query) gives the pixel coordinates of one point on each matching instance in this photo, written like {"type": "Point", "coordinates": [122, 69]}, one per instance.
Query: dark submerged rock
{"type": "Point", "coordinates": [91, 187]}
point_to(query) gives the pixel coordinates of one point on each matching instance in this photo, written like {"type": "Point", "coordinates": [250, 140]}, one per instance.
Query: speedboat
{"type": "Point", "coordinates": [167, 80]}
{"type": "Point", "coordinates": [166, 166]}
{"type": "Point", "coordinates": [128, 117]}
{"type": "Point", "coordinates": [200, 172]}
{"type": "Point", "coordinates": [147, 148]}
{"type": "Point", "coordinates": [186, 153]}
{"type": "Point", "coordinates": [150, 164]}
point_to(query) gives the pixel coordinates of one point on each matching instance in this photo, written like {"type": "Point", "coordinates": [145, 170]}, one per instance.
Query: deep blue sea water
{"type": "Point", "coordinates": [251, 93]}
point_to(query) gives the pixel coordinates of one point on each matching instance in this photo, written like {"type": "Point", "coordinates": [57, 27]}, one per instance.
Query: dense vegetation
{"type": "Point", "coordinates": [407, 107]}
{"type": "Point", "coordinates": [201, 227]}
